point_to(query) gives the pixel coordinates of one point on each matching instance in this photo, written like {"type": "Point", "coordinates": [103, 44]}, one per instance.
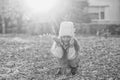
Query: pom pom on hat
{"type": "Point", "coordinates": [67, 29]}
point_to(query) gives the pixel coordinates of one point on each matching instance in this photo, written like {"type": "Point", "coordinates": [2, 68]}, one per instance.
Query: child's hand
{"type": "Point", "coordinates": [72, 42]}
{"type": "Point", "coordinates": [57, 50]}
{"type": "Point", "coordinates": [57, 40]}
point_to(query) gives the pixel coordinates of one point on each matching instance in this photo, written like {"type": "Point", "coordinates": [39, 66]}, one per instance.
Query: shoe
{"type": "Point", "coordinates": [73, 70]}
{"type": "Point", "coordinates": [59, 72]}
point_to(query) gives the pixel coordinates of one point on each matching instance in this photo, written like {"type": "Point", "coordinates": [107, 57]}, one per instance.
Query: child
{"type": "Point", "coordinates": [66, 47]}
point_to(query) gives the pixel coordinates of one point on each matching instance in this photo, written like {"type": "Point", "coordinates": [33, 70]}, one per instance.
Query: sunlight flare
{"type": "Point", "coordinates": [42, 6]}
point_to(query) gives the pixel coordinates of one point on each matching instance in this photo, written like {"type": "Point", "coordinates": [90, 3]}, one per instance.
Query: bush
{"type": "Point", "coordinates": [39, 29]}
{"type": "Point", "coordinates": [82, 28]}
{"type": "Point", "coordinates": [114, 29]}
{"type": "Point", "coordinates": [97, 29]}
{"type": "Point", "coordinates": [89, 28]}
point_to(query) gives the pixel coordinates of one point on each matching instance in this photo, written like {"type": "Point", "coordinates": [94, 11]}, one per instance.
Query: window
{"type": "Point", "coordinates": [102, 15]}
{"type": "Point", "coordinates": [97, 12]}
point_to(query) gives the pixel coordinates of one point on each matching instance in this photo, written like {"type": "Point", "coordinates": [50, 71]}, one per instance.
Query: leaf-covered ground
{"type": "Point", "coordinates": [24, 57]}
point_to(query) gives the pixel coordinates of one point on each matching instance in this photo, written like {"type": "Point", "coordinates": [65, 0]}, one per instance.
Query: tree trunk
{"type": "Point", "coordinates": [3, 26]}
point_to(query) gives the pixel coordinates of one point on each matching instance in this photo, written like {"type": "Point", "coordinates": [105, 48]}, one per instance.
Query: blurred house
{"type": "Point", "coordinates": [104, 11]}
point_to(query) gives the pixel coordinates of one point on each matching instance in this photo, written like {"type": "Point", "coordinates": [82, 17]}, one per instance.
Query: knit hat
{"type": "Point", "coordinates": [67, 29]}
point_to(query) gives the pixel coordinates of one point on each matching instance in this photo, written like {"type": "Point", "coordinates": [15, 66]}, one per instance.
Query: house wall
{"type": "Point", "coordinates": [112, 11]}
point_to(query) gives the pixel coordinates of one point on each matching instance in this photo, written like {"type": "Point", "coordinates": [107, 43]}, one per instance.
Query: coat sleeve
{"type": "Point", "coordinates": [56, 50]}
{"type": "Point", "coordinates": [73, 50]}
{"type": "Point", "coordinates": [76, 45]}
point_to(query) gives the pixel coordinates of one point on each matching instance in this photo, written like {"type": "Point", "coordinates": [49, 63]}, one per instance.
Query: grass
{"type": "Point", "coordinates": [24, 57]}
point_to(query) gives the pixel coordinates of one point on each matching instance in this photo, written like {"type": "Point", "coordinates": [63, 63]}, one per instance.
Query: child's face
{"type": "Point", "coordinates": [66, 39]}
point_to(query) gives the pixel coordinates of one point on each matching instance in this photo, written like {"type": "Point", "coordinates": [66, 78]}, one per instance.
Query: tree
{"type": "Point", "coordinates": [13, 11]}
{"type": "Point", "coordinates": [10, 10]}
{"type": "Point", "coordinates": [79, 11]}
{"type": "Point", "coordinates": [76, 11]}
{"type": "Point", "coordinates": [72, 10]}
{"type": "Point", "coordinates": [2, 15]}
